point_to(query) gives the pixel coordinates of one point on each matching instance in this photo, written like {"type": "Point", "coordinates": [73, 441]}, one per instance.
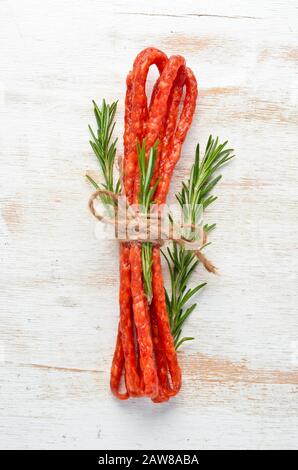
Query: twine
{"type": "Point", "coordinates": [142, 224]}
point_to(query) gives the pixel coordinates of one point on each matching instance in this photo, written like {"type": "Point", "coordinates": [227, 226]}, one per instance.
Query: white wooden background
{"type": "Point", "coordinates": [59, 305]}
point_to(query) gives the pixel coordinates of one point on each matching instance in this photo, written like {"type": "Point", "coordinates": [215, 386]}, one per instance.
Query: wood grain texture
{"type": "Point", "coordinates": [59, 301]}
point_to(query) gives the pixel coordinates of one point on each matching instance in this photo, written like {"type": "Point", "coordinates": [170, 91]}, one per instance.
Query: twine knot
{"type": "Point", "coordinates": [148, 227]}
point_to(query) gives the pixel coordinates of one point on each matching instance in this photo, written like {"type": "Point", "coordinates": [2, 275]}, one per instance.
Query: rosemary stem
{"type": "Point", "coordinates": [147, 191]}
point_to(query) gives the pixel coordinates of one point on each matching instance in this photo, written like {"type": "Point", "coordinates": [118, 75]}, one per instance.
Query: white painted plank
{"type": "Point", "coordinates": [59, 305]}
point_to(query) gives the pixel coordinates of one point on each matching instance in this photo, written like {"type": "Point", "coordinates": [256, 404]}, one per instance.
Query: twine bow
{"type": "Point", "coordinates": [143, 224]}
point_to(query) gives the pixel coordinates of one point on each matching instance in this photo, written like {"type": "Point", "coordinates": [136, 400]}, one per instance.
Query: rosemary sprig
{"type": "Point", "coordinates": [147, 192]}
{"type": "Point", "coordinates": [104, 148]}
{"type": "Point", "coordinates": [194, 196]}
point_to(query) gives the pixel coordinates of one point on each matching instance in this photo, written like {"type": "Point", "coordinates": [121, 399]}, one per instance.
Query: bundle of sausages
{"type": "Point", "coordinates": [145, 354]}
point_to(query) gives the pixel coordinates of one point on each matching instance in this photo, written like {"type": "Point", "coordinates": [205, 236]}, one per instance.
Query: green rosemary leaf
{"type": "Point", "coordinates": [118, 187]}
{"type": "Point", "coordinates": [182, 318]}
{"type": "Point", "coordinates": [189, 294]}
{"type": "Point", "coordinates": [208, 201]}
{"type": "Point", "coordinates": [147, 271]}
{"type": "Point", "coordinates": [208, 187]}
{"type": "Point", "coordinates": [186, 338]}
{"type": "Point", "coordinates": [208, 228]}
{"type": "Point", "coordinates": [91, 180]}
{"type": "Point", "coordinates": [91, 132]}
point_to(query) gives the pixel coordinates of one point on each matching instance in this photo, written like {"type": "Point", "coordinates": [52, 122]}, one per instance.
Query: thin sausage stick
{"type": "Point", "coordinates": [166, 133]}
{"type": "Point", "coordinates": [116, 370]}
{"type": "Point", "coordinates": [167, 165]}
{"type": "Point", "coordinates": [125, 345]}
{"type": "Point", "coordinates": [142, 322]}
{"type": "Point", "coordinates": [139, 112]}
{"type": "Point", "coordinates": [158, 111]}
{"type": "Point", "coordinates": [126, 324]}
